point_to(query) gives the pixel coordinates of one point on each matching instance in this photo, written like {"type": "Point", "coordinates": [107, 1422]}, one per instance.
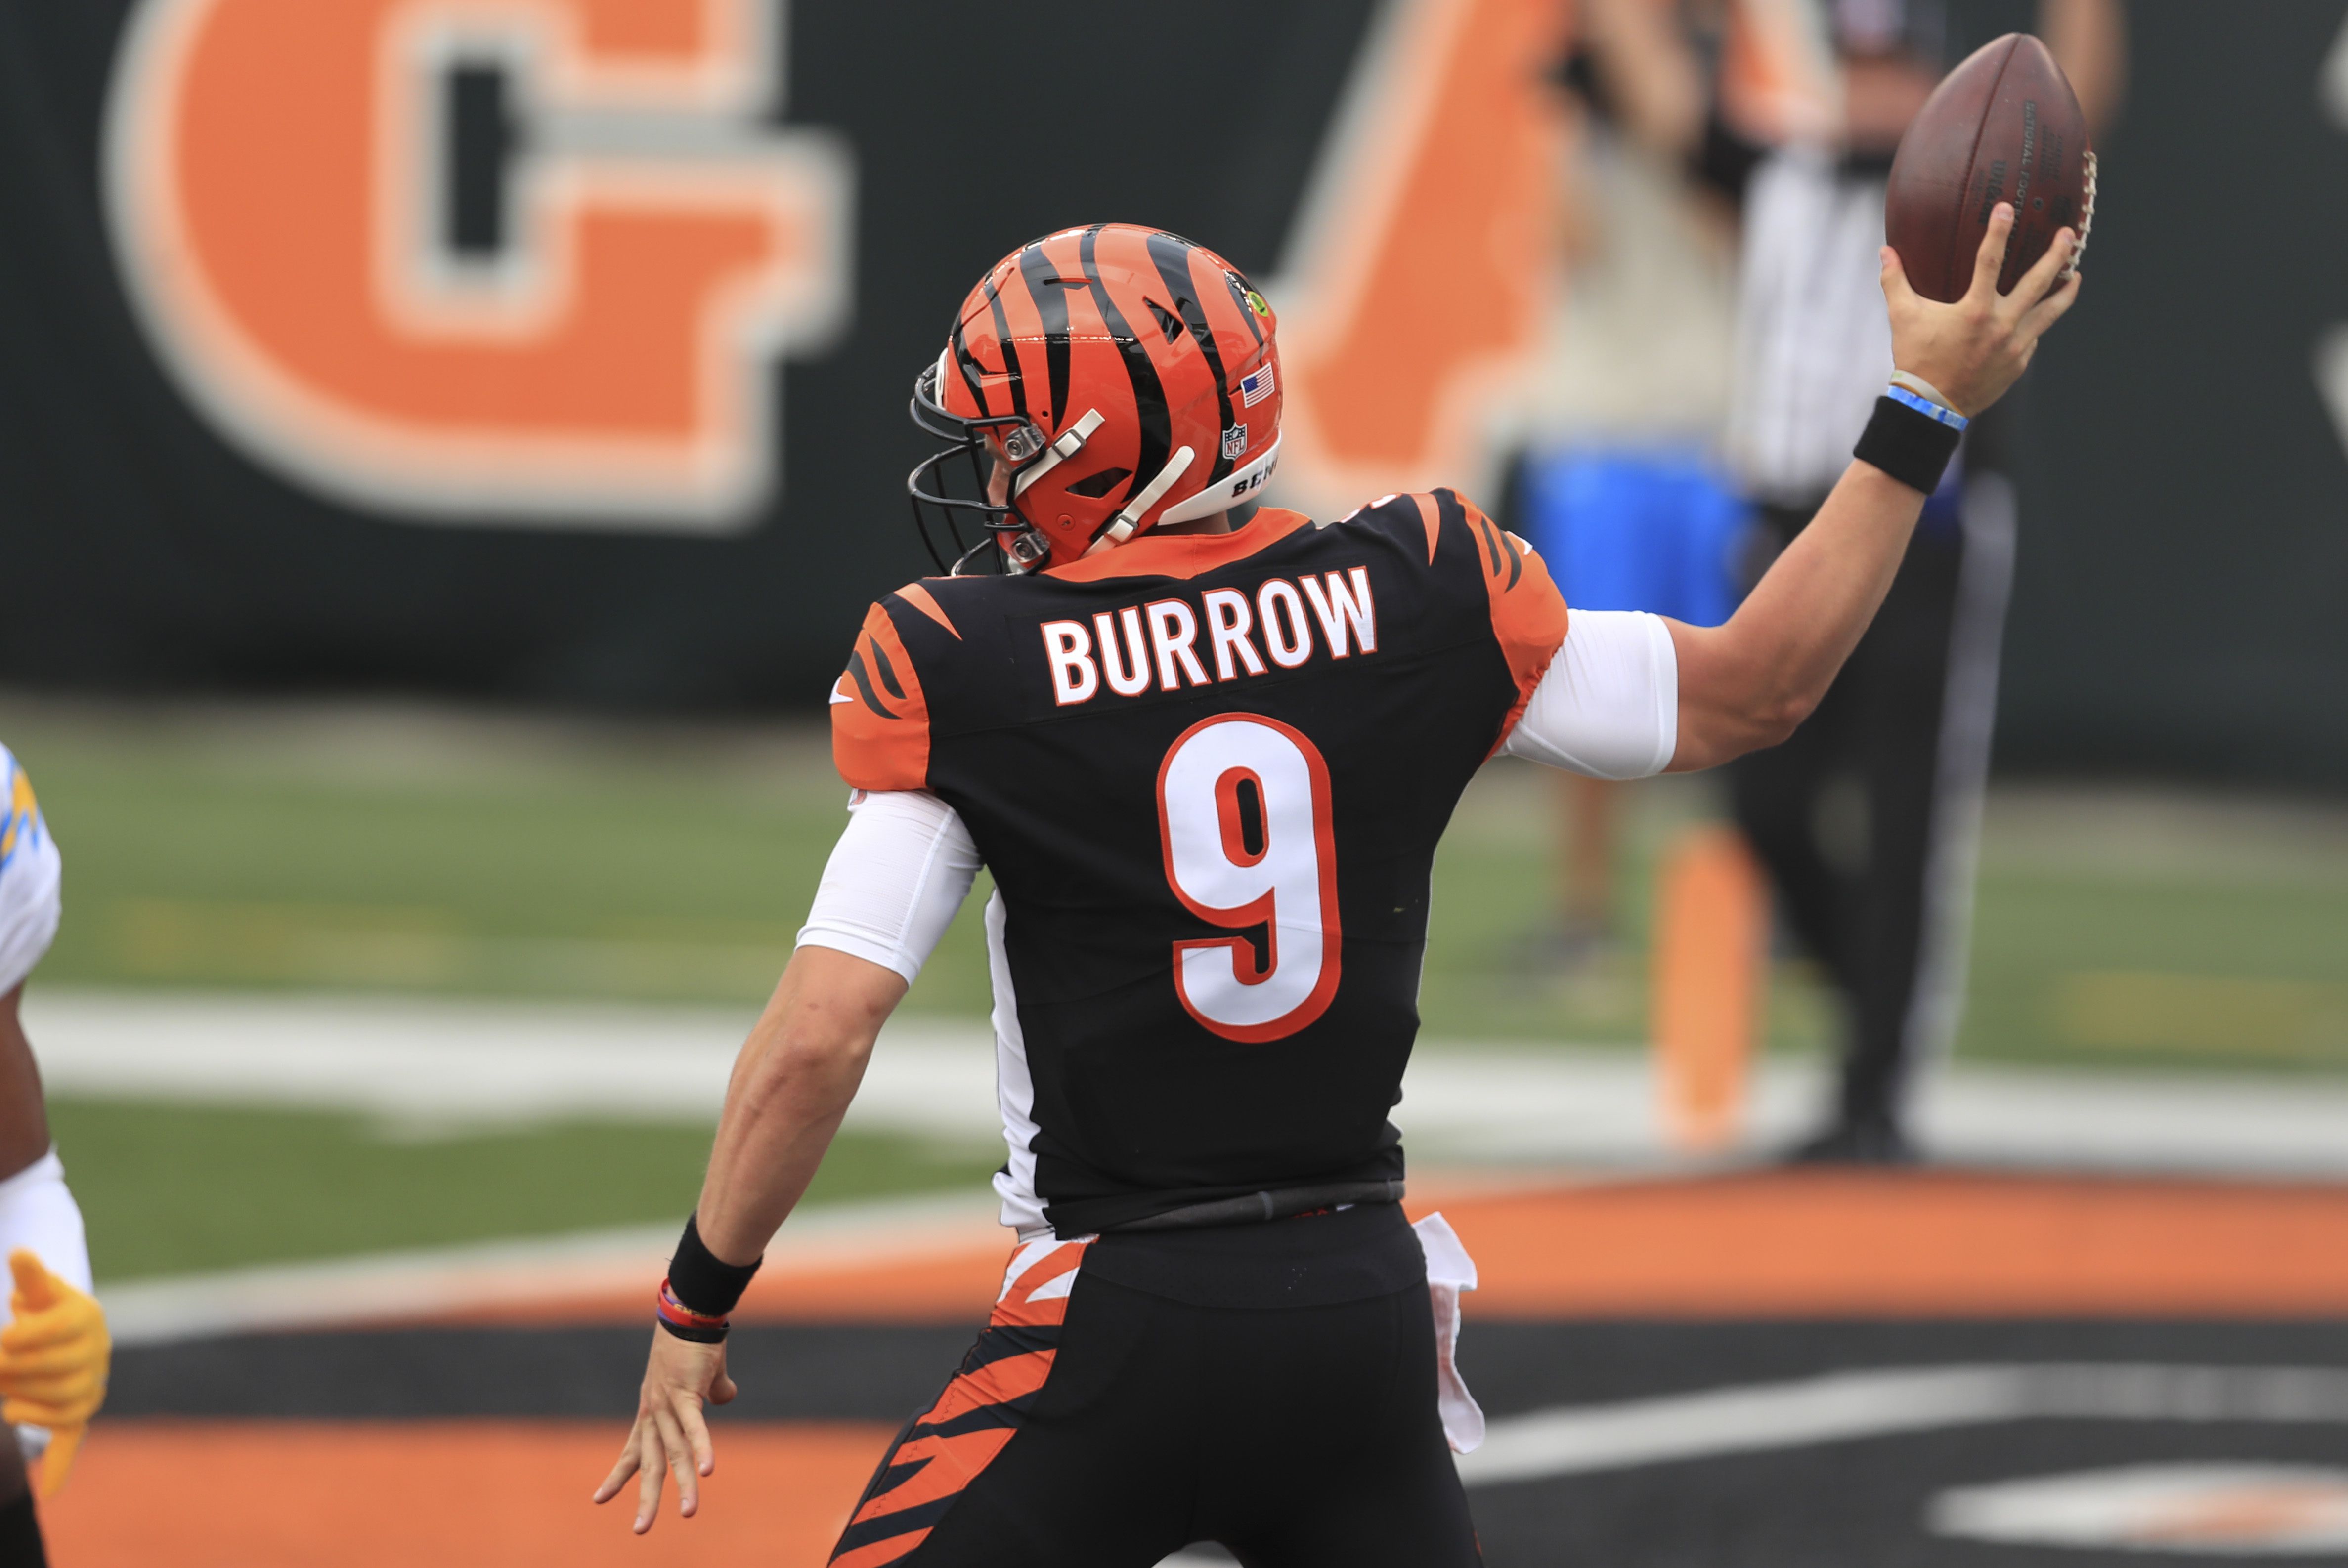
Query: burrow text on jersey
{"type": "Point", "coordinates": [1170, 643]}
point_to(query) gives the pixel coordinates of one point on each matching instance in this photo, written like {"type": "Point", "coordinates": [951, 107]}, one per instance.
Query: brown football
{"type": "Point", "coordinates": [2002, 127]}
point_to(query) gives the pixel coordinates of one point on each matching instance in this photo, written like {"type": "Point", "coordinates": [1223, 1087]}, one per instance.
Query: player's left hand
{"type": "Point", "coordinates": [53, 1358]}
{"type": "Point", "coordinates": [670, 1436]}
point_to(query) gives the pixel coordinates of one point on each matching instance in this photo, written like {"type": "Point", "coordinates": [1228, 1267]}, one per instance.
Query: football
{"type": "Point", "coordinates": [2002, 127]}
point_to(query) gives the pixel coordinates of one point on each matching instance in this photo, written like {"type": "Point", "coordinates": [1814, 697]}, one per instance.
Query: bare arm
{"type": "Point", "coordinates": [1745, 684]}
{"type": "Point", "coordinates": [1649, 71]}
{"type": "Point", "coordinates": [2088, 38]}
{"type": "Point", "coordinates": [791, 1085]}
{"type": "Point", "coordinates": [23, 1119]}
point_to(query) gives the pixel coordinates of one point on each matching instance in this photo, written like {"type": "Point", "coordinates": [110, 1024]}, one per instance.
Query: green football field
{"type": "Point", "coordinates": [473, 854]}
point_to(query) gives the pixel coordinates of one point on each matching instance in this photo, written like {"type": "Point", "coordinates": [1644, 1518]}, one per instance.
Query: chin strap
{"type": "Point", "coordinates": [1071, 442]}
{"type": "Point", "coordinates": [1120, 528]}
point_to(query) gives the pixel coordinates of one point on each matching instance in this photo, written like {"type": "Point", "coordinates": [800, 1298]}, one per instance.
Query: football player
{"type": "Point", "coordinates": [1206, 749]}
{"type": "Point", "coordinates": [53, 1351]}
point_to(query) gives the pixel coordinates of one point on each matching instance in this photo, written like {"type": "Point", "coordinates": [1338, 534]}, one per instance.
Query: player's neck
{"type": "Point", "coordinates": [1220, 523]}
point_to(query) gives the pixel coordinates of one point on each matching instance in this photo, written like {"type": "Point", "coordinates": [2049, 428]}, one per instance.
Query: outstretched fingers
{"type": "Point", "coordinates": [1990, 260]}
{"type": "Point", "coordinates": [621, 1472]}
{"type": "Point", "coordinates": [680, 1463]}
{"type": "Point", "coordinates": [696, 1434]}
{"type": "Point", "coordinates": [652, 1468]}
{"type": "Point", "coordinates": [2049, 310]}
{"type": "Point", "coordinates": [2032, 285]}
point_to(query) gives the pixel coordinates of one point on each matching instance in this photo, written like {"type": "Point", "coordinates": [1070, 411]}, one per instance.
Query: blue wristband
{"type": "Point", "coordinates": [1927, 408]}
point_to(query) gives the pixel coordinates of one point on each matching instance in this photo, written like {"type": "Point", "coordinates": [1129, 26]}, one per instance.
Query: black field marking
{"type": "Point", "coordinates": [1052, 311]}
{"type": "Point", "coordinates": [1858, 1504]}
{"type": "Point", "coordinates": [813, 1372]}
{"type": "Point", "coordinates": [876, 1372]}
{"type": "Point", "coordinates": [1148, 393]}
{"type": "Point", "coordinates": [1172, 259]}
{"type": "Point", "coordinates": [1518, 1366]}
{"type": "Point", "coordinates": [1852, 1503]}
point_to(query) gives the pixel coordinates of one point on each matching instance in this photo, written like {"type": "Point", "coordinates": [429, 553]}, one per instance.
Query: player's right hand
{"type": "Point", "coordinates": [1974, 349]}
{"type": "Point", "coordinates": [54, 1357]}
{"type": "Point", "coordinates": [670, 1437]}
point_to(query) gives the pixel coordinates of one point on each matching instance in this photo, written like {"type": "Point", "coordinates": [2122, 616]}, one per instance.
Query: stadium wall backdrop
{"type": "Point", "coordinates": [281, 410]}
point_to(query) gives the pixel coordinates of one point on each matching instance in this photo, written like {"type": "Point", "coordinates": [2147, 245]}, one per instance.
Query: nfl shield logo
{"type": "Point", "coordinates": [1234, 441]}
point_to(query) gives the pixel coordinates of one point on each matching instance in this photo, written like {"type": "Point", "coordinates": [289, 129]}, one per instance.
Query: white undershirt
{"type": "Point", "coordinates": [1606, 708]}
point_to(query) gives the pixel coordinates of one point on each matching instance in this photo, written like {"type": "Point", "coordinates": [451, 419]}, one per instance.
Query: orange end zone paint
{"type": "Point", "coordinates": [360, 1495]}
{"type": "Point", "coordinates": [1766, 1244]}
{"type": "Point", "coordinates": [1909, 1245]}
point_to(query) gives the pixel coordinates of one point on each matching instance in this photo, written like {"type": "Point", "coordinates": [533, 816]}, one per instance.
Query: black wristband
{"type": "Point", "coordinates": [694, 1332]}
{"type": "Point", "coordinates": [1913, 448]}
{"type": "Point", "coordinates": [702, 1281]}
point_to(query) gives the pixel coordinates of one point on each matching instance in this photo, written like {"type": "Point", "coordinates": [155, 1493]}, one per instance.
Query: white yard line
{"type": "Point", "coordinates": [435, 1062]}
{"type": "Point", "coordinates": [425, 1283]}
{"type": "Point", "coordinates": [1842, 1405]}
{"type": "Point", "coordinates": [427, 1060]}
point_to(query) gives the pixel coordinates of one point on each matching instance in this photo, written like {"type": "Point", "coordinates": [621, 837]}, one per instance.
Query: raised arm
{"type": "Point", "coordinates": [1746, 684]}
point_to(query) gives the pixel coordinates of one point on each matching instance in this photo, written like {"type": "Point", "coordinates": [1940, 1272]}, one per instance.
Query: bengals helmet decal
{"type": "Point", "coordinates": [1117, 378]}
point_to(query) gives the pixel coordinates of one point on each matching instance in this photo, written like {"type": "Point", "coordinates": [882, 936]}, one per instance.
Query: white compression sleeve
{"type": "Point", "coordinates": [894, 881]}
{"type": "Point", "coordinates": [36, 1211]}
{"type": "Point", "coordinates": [1608, 707]}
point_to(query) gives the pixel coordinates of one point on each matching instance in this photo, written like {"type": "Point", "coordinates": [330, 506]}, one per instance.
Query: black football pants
{"type": "Point", "coordinates": [1865, 819]}
{"type": "Point", "coordinates": [1299, 1437]}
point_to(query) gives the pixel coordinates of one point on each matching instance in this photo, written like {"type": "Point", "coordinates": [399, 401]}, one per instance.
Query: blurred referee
{"type": "Point", "coordinates": [1867, 818]}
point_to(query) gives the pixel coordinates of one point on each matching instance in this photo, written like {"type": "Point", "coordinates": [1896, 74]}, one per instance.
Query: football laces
{"type": "Point", "coordinates": [2087, 222]}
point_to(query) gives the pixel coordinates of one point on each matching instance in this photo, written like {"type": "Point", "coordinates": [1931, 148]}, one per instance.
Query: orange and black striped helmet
{"type": "Point", "coordinates": [1121, 376]}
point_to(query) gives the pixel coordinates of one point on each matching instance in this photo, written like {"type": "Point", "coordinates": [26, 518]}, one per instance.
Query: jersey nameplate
{"type": "Point", "coordinates": [1218, 635]}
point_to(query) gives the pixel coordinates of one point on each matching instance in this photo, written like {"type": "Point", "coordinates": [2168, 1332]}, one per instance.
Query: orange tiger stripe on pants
{"type": "Point", "coordinates": [942, 1450]}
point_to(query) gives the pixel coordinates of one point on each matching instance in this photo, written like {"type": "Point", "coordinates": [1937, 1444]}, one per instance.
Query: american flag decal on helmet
{"type": "Point", "coordinates": [1255, 389]}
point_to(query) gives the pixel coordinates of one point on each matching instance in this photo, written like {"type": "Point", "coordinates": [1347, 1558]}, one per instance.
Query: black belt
{"type": "Point", "coordinates": [1256, 1208]}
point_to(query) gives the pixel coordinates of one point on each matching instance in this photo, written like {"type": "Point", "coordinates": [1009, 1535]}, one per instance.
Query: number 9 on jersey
{"type": "Point", "coordinates": [1243, 814]}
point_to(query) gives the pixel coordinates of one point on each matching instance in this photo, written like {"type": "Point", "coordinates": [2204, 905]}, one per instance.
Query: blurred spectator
{"type": "Point", "coordinates": [1618, 481]}
{"type": "Point", "coordinates": [1866, 821]}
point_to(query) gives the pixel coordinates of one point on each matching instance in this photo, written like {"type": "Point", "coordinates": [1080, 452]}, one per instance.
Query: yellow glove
{"type": "Point", "coordinates": [53, 1363]}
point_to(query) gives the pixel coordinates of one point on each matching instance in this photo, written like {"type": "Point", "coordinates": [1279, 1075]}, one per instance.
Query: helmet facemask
{"type": "Point", "coordinates": [1004, 444]}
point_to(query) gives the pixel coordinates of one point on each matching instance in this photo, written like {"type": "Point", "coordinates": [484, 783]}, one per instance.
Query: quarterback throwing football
{"type": "Point", "coordinates": [1207, 749]}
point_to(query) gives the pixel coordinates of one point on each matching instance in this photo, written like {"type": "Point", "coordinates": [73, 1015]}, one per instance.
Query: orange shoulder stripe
{"type": "Point", "coordinates": [880, 718]}
{"type": "Point", "coordinates": [920, 598]}
{"type": "Point", "coordinates": [1529, 614]}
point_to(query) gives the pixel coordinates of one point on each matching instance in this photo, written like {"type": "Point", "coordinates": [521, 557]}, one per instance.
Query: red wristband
{"type": "Point", "coordinates": [683, 1321]}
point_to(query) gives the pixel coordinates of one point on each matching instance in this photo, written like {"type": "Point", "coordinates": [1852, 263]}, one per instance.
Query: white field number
{"type": "Point", "coordinates": [1268, 862]}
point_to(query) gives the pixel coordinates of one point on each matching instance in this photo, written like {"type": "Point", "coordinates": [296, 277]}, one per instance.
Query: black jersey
{"type": "Point", "coordinates": [1208, 774]}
